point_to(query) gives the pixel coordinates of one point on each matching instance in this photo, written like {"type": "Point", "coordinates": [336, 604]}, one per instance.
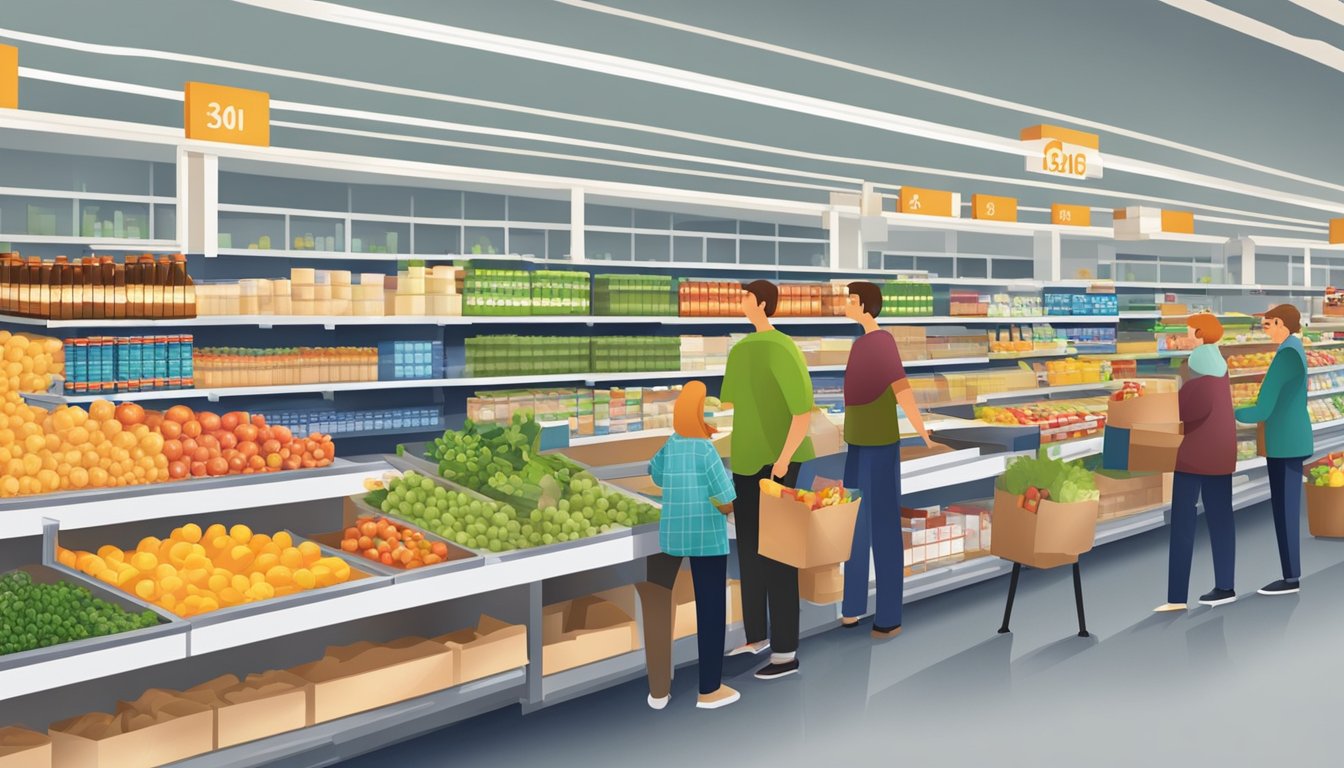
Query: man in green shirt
{"type": "Point", "coordinates": [770, 390]}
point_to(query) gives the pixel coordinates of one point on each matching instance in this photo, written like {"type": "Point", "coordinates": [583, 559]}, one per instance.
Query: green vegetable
{"type": "Point", "coordinates": [39, 615]}
{"type": "Point", "coordinates": [1066, 482]}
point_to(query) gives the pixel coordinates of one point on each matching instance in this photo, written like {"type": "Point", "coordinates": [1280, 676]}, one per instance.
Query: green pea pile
{"type": "Point", "coordinates": [36, 615]}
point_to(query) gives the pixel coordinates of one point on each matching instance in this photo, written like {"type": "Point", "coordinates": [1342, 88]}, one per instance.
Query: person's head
{"type": "Point", "coordinates": [760, 300]}
{"type": "Point", "coordinates": [1281, 322]}
{"type": "Point", "coordinates": [865, 299]}
{"type": "Point", "coordinates": [688, 413]}
{"type": "Point", "coordinates": [1205, 327]}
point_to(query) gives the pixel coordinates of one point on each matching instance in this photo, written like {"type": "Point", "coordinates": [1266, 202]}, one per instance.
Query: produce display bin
{"type": "Point", "coordinates": [459, 558]}
{"type": "Point", "coordinates": [360, 580]}
{"type": "Point", "coordinates": [53, 573]}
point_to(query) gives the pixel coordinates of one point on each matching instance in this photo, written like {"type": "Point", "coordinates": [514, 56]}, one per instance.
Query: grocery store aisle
{"type": "Point", "coordinates": [1237, 685]}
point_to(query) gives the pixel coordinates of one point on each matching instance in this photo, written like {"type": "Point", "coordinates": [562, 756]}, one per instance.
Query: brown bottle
{"type": "Point", "coordinates": [133, 303]}
{"type": "Point", "coordinates": [88, 297]}
{"type": "Point", "coordinates": [6, 281]}
{"type": "Point", "coordinates": [105, 286]}
{"type": "Point", "coordinates": [172, 291]}
{"type": "Point", "coordinates": [43, 289]}
{"type": "Point", "coordinates": [118, 291]}
{"type": "Point", "coordinates": [163, 273]}
{"type": "Point", "coordinates": [184, 288]}
{"type": "Point", "coordinates": [57, 284]}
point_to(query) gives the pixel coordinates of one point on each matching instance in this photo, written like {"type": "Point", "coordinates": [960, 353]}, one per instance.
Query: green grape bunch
{"type": "Point", "coordinates": [34, 615]}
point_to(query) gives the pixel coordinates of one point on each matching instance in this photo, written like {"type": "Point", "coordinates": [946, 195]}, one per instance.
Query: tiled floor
{"type": "Point", "coordinates": [1257, 682]}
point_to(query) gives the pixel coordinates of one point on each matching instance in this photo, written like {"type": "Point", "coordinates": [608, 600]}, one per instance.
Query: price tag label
{"type": "Point", "coordinates": [230, 115]}
{"type": "Point", "coordinates": [1057, 151]}
{"type": "Point", "coordinates": [929, 202]}
{"type": "Point", "coordinates": [992, 208]}
{"type": "Point", "coordinates": [1071, 215]}
{"type": "Point", "coordinates": [9, 77]}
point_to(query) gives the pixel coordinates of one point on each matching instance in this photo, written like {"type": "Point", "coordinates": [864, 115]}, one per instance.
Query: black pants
{"type": "Point", "coordinates": [765, 582]}
{"type": "Point", "coordinates": [710, 577]}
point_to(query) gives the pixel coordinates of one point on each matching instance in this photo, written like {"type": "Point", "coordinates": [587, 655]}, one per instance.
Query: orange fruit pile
{"type": "Point", "coordinates": [391, 543]}
{"type": "Point", "coordinates": [193, 571]}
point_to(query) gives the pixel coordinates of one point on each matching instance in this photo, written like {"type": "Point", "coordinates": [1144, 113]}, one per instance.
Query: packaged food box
{"type": "Point", "coordinates": [491, 648]}
{"type": "Point", "coordinates": [356, 678]}
{"type": "Point", "coordinates": [262, 705]}
{"type": "Point", "coordinates": [588, 629]}
{"type": "Point", "coordinates": [158, 728]}
{"type": "Point", "coordinates": [22, 748]}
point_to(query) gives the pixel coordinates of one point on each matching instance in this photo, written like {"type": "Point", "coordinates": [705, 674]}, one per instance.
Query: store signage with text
{"type": "Point", "coordinates": [929, 202]}
{"type": "Point", "coordinates": [1071, 215]}
{"type": "Point", "coordinates": [9, 77]}
{"type": "Point", "coordinates": [230, 115]}
{"type": "Point", "coordinates": [1057, 151]}
{"type": "Point", "coordinates": [993, 208]}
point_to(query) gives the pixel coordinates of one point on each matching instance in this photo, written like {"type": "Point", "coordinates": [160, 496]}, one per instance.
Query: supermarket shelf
{"type": "Point", "coordinates": [1060, 390]}
{"type": "Point", "coordinates": [1325, 392]}
{"type": "Point", "coordinates": [339, 740]}
{"type": "Point", "coordinates": [114, 506]}
{"type": "Point", "coordinates": [97, 243]}
{"type": "Point", "coordinates": [1310, 371]}
{"type": "Point", "coordinates": [1327, 425]}
{"type": "Point", "coordinates": [67, 666]}
{"type": "Point", "coordinates": [1075, 449]}
{"type": "Point", "coordinates": [999, 356]}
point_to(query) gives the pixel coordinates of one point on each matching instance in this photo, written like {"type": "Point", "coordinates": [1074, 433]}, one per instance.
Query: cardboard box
{"type": "Point", "coordinates": [1124, 493]}
{"type": "Point", "coordinates": [1152, 408]}
{"type": "Point", "coordinates": [159, 728]}
{"type": "Point", "coordinates": [1325, 511]}
{"type": "Point", "coordinates": [806, 538]}
{"type": "Point", "coordinates": [260, 706]}
{"type": "Point", "coordinates": [827, 438]}
{"type": "Point", "coordinates": [822, 585]}
{"type": "Point", "coordinates": [734, 601]}
{"type": "Point", "coordinates": [364, 676]}
{"type": "Point", "coordinates": [1153, 447]}
{"type": "Point", "coordinates": [1054, 535]}
{"type": "Point", "coordinates": [22, 748]}
{"type": "Point", "coordinates": [586, 630]}
{"type": "Point", "coordinates": [493, 647]}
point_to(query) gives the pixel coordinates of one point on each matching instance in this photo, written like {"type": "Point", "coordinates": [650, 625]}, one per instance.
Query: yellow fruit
{"type": "Point", "coordinates": [279, 576]}
{"type": "Point", "coordinates": [291, 558]}
{"type": "Point", "coordinates": [241, 534]}
{"type": "Point", "coordinates": [146, 589]}
{"type": "Point", "coordinates": [111, 553]}
{"type": "Point", "coordinates": [218, 583]}
{"type": "Point", "coordinates": [303, 579]}
{"type": "Point", "coordinates": [190, 532]}
{"type": "Point", "coordinates": [144, 561]}
{"type": "Point", "coordinates": [66, 557]}
{"type": "Point", "coordinates": [310, 551]}
{"type": "Point", "coordinates": [283, 540]}
{"type": "Point", "coordinates": [240, 582]}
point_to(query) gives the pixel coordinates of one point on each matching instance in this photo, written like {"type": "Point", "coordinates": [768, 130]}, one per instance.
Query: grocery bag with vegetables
{"type": "Point", "coordinates": [1033, 479]}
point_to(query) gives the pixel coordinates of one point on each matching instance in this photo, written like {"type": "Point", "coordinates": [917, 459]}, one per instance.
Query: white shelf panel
{"type": "Point", "coordinates": [62, 670]}
{"type": "Point", "coordinates": [95, 508]}
{"type": "Point", "coordinates": [1310, 371]}
{"type": "Point", "coordinates": [97, 243]}
{"type": "Point", "coordinates": [1060, 390]}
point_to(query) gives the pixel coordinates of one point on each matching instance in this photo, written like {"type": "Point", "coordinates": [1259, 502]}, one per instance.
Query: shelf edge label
{"type": "Point", "coordinates": [929, 202]}
{"type": "Point", "coordinates": [1071, 215]}
{"type": "Point", "coordinates": [9, 77]}
{"type": "Point", "coordinates": [226, 114]}
{"type": "Point", "coordinates": [993, 208]}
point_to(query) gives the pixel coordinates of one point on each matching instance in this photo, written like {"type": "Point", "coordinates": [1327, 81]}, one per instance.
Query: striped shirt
{"type": "Point", "coordinates": [691, 473]}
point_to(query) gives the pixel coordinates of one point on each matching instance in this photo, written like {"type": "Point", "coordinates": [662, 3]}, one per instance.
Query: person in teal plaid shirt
{"type": "Point", "coordinates": [697, 499]}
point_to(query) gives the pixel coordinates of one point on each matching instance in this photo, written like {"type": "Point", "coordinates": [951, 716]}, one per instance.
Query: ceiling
{"type": "Point", "coordinates": [1161, 84]}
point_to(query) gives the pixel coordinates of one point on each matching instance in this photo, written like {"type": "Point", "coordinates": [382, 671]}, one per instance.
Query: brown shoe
{"type": "Point", "coordinates": [720, 698]}
{"type": "Point", "coordinates": [886, 633]}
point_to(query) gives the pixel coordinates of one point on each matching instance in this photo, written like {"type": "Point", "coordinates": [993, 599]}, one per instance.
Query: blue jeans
{"type": "Point", "coordinates": [1216, 491]}
{"type": "Point", "coordinates": [1285, 496]}
{"type": "Point", "coordinates": [876, 472]}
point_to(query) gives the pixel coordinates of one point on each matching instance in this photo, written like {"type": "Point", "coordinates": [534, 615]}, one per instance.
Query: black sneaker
{"type": "Point", "coordinates": [1218, 597]}
{"type": "Point", "coordinates": [1280, 587]}
{"type": "Point", "coordinates": [776, 671]}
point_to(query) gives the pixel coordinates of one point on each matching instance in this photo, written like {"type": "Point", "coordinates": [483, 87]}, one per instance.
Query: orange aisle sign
{"type": "Point", "coordinates": [1337, 230]}
{"type": "Point", "coordinates": [929, 202]}
{"type": "Point", "coordinates": [1071, 215]}
{"type": "Point", "coordinates": [231, 115]}
{"type": "Point", "coordinates": [1058, 151]}
{"type": "Point", "coordinates": [1181, 222]}
{"type": "Point", "coordinates": [992, 208]}
{"type": "Point", "coordinates": [9, 77]}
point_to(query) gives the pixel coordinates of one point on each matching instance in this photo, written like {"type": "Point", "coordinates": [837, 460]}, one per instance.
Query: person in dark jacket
{"type": "Point", "coordinates": [1204, 466]}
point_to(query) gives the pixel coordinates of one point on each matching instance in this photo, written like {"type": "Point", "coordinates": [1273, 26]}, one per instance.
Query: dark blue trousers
{"type": "Point", "coordinates": [1285, 496]}
{"type": "Point", "coordinates": [1186, 490]}
{"type": "Point", "coordinates": [876, 472]}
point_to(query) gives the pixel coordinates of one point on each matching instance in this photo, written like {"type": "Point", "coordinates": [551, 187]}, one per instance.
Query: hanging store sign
{"type": "Point", "coordinates": [1337, 231]}
{"type": "Point", "coordinates": [929, 202]}
{"type": "Point", "coordinates": [229, 115]}
{"type": "Point", "coordinates": [1071, 215]}
{"type": "Point", "coordinates": [1057, 151]}
{"type": "Point", "coordinates": [9, 77]}
{"type": "Point", "coordinates": [993, 208]}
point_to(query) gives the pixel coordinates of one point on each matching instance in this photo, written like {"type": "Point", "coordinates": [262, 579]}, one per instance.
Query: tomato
{"type": "Point", "coordinates": [198, 469]}
{"type": "Point", "coordinates": [227, 441]}
{"type": "Point", "coordinates": [258, 420]}
{"type": "Point", "coordinates": [292, 462]}
{"type": "Point", "coordinates": [255, 462]}
{"type": "Point", "coordinates": [386, 558]}
{"type": "Point", "coordinates": [371, 553]}
{"type": "Point", "coordinates": [192, 428]}
{"type": "Point", "coordinates": [130, 413]}
{"type": "Point", "coordinates": [201, 454]}
{"type": "Point", "coordinates": [232, 419]}
{"type": "Point", "coordinates": [368, 528]}
{"type": "Point", "coordinates": [237, 464]}
{"type": "Point", "coordinates": [248, 448]}
{"type": "Point", "coordinates": [177, 469]}
{"type": "Point", "coordinates": [246, 432]}
{"type": "Point", "coordinates": [209, 421]}
{"type": "Point", "coordinates": [273, 461]}
{"type": "Point", "coordinates": [170, 430]}
{"type": "Point", "coordinates": [351, 533]}
{"type": "Point", "coordinates": [217, 466]}
{"type": "Point", "coordinates": [366, 542]}
{"type": "Point", "coordinates": [188, 445]}
{"type": "Point", "coordinates": [208, 441]}
{"type": "Point", "coordinates": [270, 446]}
{"type": "Point", "coordinates": [172, 449]}
{"type": "Point", "coordinates": [153, 419]}
{"type": "Point", "coordinates": [179, 414]}
{"type": "Point", "coordinates": [349, 545]}
{"type": "Point", "coordinates": [282, 434]}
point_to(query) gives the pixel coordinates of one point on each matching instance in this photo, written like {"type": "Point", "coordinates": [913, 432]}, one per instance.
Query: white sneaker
{"type": "Point", "coordinates": [720, 698]}
{"type": "Point", "coordinates": [659, 704]}
{"type": "Point", "coordinates": [750, 648]}
{"type": "Point", "coordinates": [1169, 607]}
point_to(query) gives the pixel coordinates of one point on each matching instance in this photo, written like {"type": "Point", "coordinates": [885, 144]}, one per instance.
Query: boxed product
{"type": "Point", "coordinates": [807, 529]}
{"type": "Point", "coordinates": [827, 438]}
{"type": "Point", "coordinates": [491, 648]}
{"type": "Point", "coordinates": [588, 629]}
{"type": "Point", "coordinates": [364, 676]}
{"type": "Point", "coordinates": [822, 585]}
{"type": "Point", "coordinates": [158, 728]}
{"type": "Point", "coordinates": [260, 706]}
{"type": "Point", "coordinates": [1126, 492]}
{"type": "Point", "coordinates": [22, 748]}
{"type": "Point", "coordinates": [1143, 426]}
{"type": "Point", "coordinates": [930, 537]}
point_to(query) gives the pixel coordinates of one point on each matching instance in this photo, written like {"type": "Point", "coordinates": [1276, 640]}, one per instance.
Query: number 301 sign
{"type": "Point", "coordinates": [231, 115]}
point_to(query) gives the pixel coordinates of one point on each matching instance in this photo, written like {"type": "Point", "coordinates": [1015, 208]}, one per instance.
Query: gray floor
{"type": "Point", "coordinates": [1252, 683]}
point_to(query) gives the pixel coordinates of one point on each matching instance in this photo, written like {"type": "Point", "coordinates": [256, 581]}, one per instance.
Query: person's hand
{"type": "Point", "coordinates": [928, 442]}
{"type": "Point", "coordinates": [780, 469]}
{"type": "Point", "coordinates": [726, 509]}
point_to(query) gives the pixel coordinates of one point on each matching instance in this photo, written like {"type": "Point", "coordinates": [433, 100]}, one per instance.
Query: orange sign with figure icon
{"type": "Point", "coordinates": [929, 202]}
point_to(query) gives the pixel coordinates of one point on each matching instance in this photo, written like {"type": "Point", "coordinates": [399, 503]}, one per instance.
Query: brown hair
{"type": "Point", "coordinates": [1206, 327]}
{"type": "Point", "coordinates": [870, 296]}
{"type": "Point", "coordinates": [1288, 315]}
{"type": "Point", "coordinates": [765, 293]}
